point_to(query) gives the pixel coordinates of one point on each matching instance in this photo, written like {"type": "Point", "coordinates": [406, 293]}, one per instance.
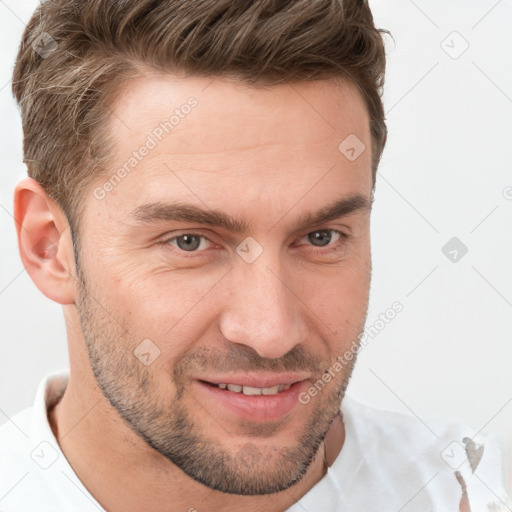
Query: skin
{"type": "Point", "coordinates": [267, 156]}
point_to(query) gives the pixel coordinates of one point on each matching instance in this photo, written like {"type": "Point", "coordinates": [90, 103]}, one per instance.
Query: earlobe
{"type": "Point", "coordinates": [44, 242]}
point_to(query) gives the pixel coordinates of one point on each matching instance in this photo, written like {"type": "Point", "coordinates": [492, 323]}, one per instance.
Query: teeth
{"type": "Point", "coordinates": [270, 391]}
{"type": "Point", "coordinates": [248, 390]}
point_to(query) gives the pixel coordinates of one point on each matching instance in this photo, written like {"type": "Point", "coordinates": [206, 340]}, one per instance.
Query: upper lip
{"type": "Point", "coordinates": [254, 380]}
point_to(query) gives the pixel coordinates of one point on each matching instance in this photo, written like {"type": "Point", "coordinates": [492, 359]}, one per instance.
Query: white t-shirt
{"type": "Point", "coordinates": [389, 462]}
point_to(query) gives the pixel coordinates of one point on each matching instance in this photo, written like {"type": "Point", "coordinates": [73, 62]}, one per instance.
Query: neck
{"type": "Point", "coordinates": [123, 473]}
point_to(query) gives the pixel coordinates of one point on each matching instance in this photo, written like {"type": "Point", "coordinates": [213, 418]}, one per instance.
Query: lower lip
{"type": "Point", "coordinates": [255, 407]}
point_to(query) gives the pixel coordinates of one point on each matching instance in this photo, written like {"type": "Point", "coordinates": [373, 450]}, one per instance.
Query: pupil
{"type": "Point", "coordinates": [320, 238]}
{"type": "Point", "coordinates": [188, 242]}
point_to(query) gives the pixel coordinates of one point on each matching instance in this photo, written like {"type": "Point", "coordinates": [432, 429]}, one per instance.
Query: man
{"type": "Point", "coordinates": [201, 177]}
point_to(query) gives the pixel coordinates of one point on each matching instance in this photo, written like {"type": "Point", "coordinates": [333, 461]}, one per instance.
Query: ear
{"type": "Point", "coordinates": [44, 241]}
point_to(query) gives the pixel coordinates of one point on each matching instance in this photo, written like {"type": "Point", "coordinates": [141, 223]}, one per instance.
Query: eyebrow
{"type": "Point", "coordinates": [183, 212]}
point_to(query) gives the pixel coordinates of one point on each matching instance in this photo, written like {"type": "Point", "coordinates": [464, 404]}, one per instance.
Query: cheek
{"type": "Point", "coordinates": [160, 304]}
{"type": "Point", "coordinates": [340, 292]}
{"type": "Point", "coordinates": [339, 300]}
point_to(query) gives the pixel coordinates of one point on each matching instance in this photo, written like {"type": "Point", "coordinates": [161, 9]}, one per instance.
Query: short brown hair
{"type": "Point", "coordinates": [88, 48]}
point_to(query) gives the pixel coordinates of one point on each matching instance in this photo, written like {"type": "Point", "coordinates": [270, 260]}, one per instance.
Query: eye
{"type": "Point", "coordinates": [189, 242]}
{"type": "Point", "coordinates": [322, 237]}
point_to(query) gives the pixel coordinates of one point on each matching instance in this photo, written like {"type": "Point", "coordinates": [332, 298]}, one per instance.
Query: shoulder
{"type": "Point", "coordinates": [19, 474]}
{"type": "Point", "coordinates": [34, 473]}
{"type": "Point", "coordinates": [407, 430]}
{"type": "Point", "coordinates": [14, 434]}
{"type": "Point", "coordinates": [442, 459]}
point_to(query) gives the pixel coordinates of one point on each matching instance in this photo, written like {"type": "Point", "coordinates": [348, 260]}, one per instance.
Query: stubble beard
{"type": "Point", "coordinates": [166, 425]}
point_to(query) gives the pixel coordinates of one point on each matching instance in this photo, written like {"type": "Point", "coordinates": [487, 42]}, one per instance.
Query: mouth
{"type": "Point", "coordinates": [251, 390]}
{"type": "Point", "coordinates": [253, 398]}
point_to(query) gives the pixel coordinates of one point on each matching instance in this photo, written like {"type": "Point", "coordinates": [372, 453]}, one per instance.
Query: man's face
{"type": "Point", "coordinates": [175, 301]}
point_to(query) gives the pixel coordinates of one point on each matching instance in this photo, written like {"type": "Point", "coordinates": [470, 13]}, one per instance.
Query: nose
{"type": "Point", "coordinates": [262, 311]}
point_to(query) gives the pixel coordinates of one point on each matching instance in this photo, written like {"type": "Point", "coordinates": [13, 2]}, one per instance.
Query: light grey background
{"type": "Point", "coordinates": [446, 173]}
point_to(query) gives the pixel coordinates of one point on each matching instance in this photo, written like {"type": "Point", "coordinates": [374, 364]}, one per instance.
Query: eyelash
{"type": "Point", "coordinates": [191, 254]}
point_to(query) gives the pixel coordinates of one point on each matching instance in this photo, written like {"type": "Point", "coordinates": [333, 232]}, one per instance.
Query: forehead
{"type": "Point", "coordinates": [286, 113]}
{"type": "Point", "coordinates": [210, 136]}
